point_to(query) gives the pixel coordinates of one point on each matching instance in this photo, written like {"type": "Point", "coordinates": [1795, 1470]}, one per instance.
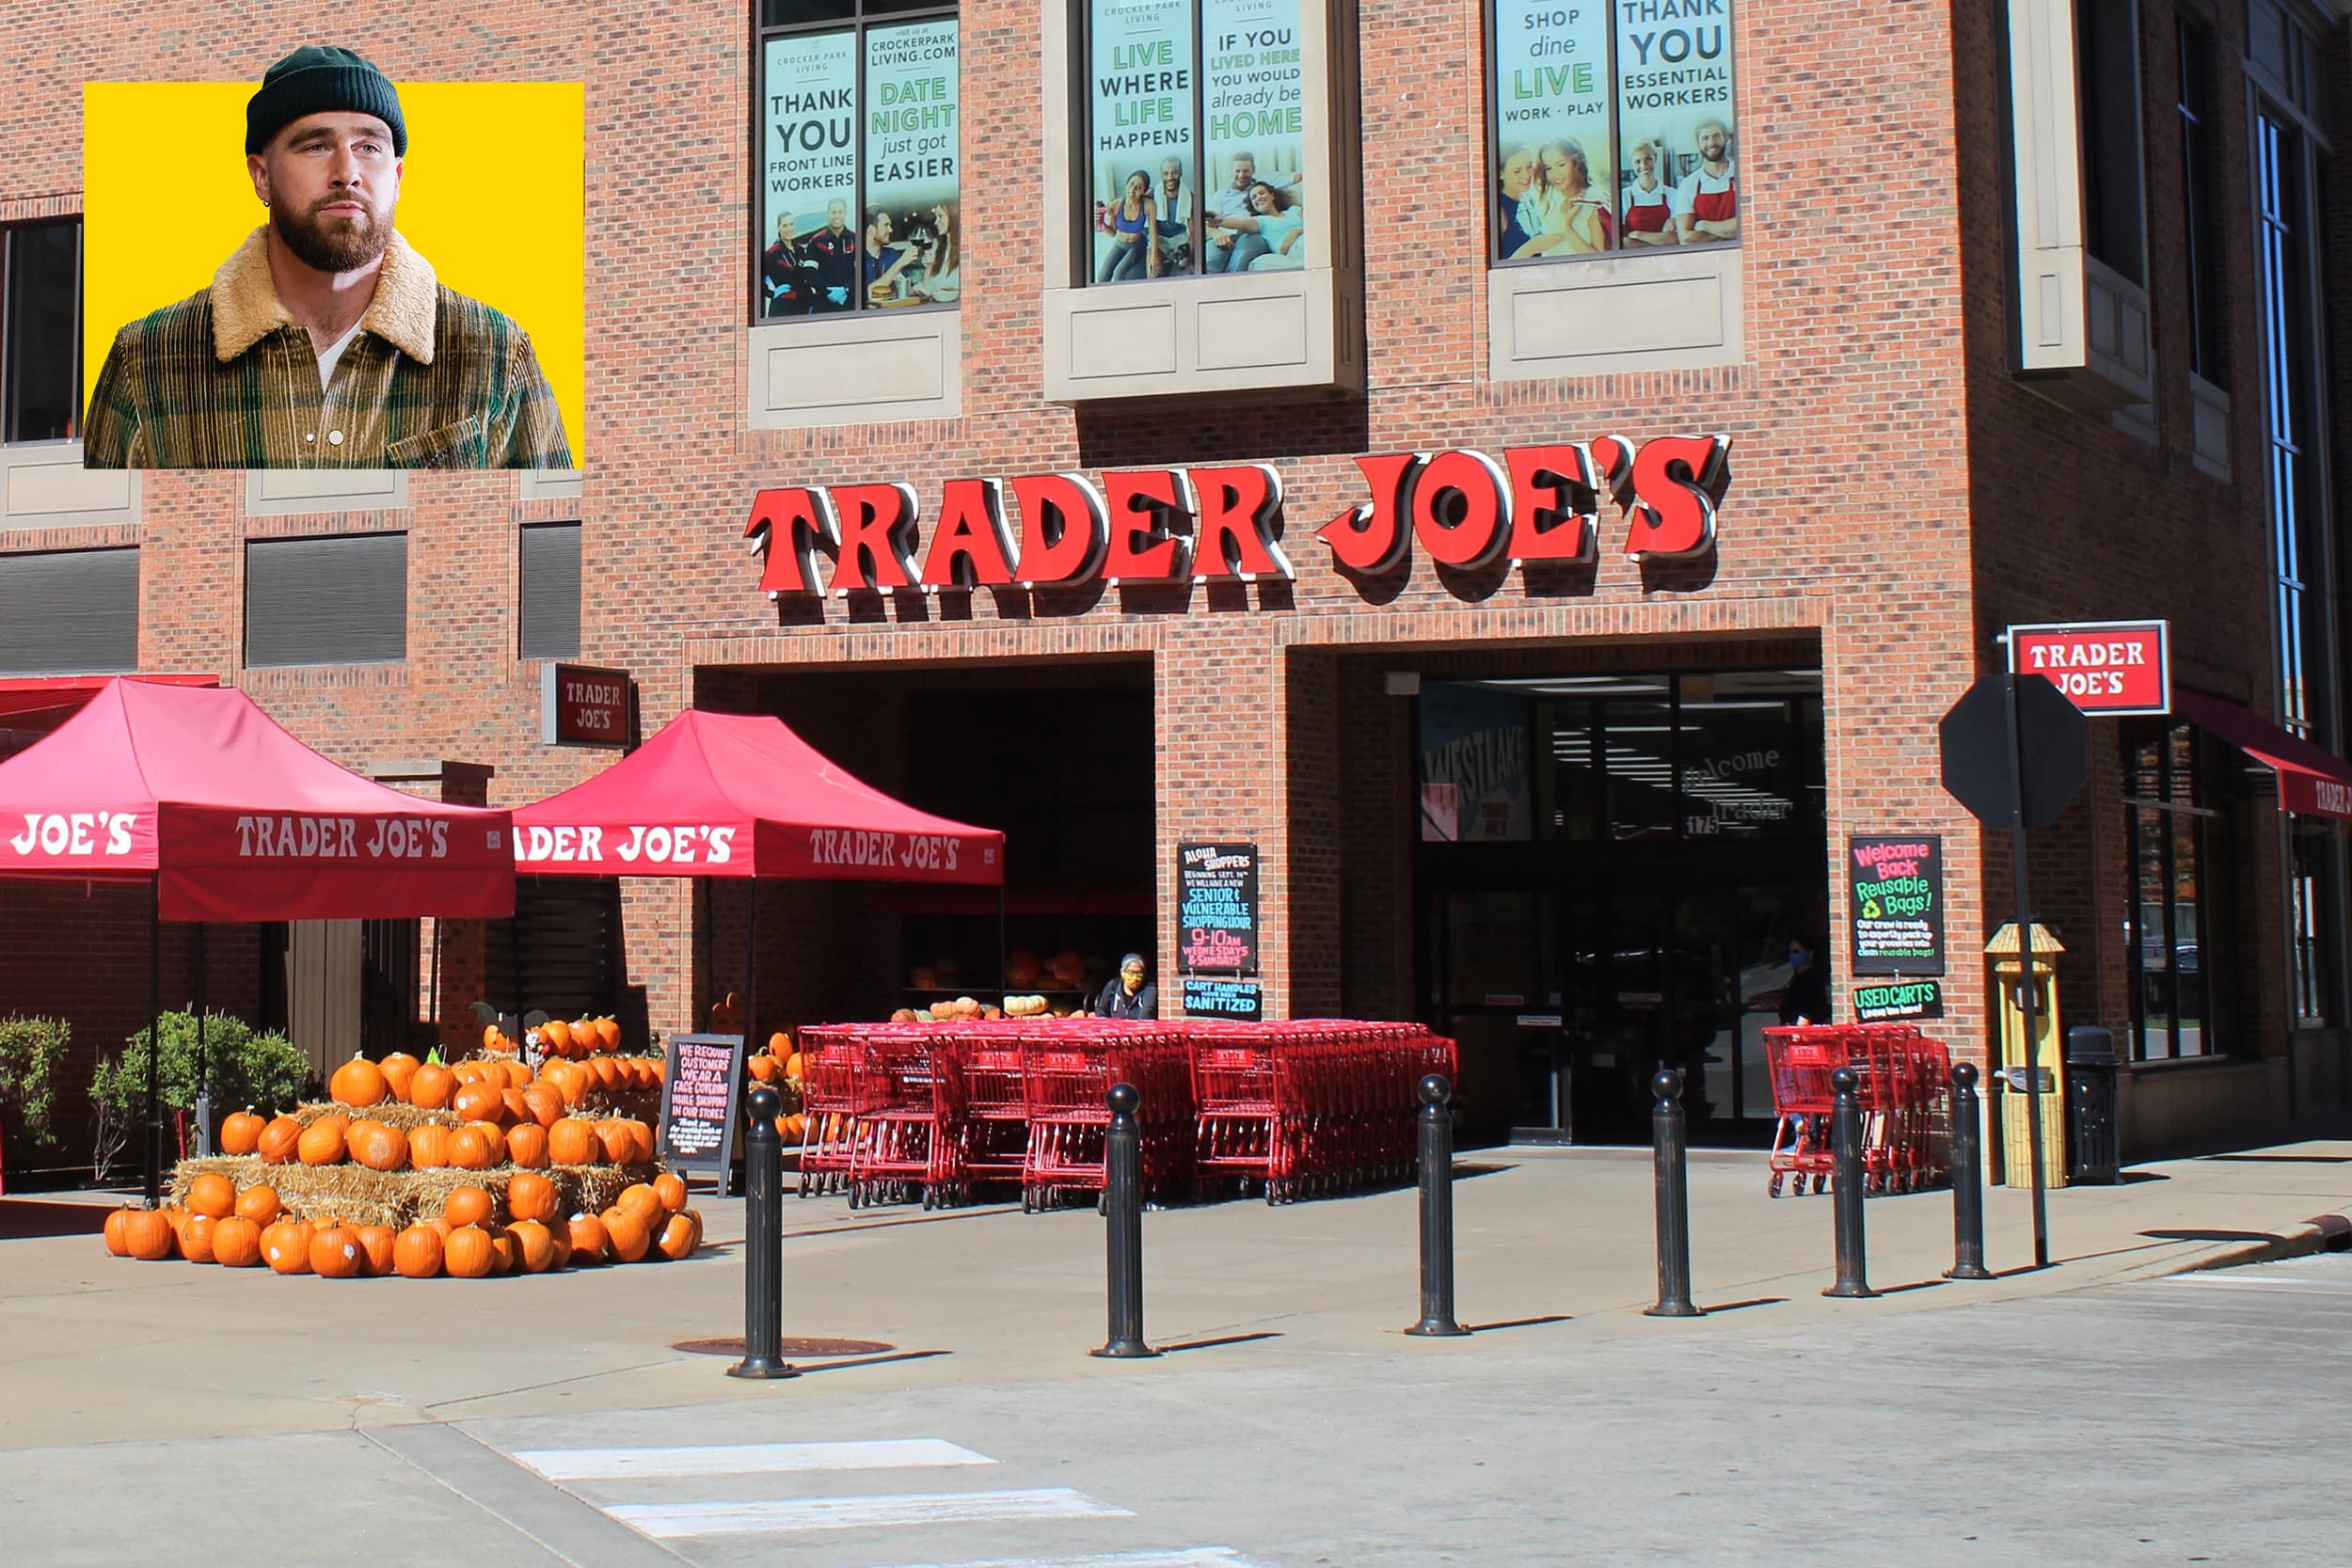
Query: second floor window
{"type": "Point", "coordinates": [1613, 127]}
{"type": "Point", "coordinates": [860, 165]}
{"type": "Point", "coordinates": [40, 331]}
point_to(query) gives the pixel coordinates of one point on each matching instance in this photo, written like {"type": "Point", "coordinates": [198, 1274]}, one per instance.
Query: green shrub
{"type": "Point", "coordinates": [30, 1050]}
{"type": "Point", "coordinates": [265, 1072]}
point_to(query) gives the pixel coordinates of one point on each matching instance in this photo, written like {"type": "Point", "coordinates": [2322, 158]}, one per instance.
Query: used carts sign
{"type": "Point", "coordinates": [2115, 668]}
{"type": "Point", "coordinates": [1896, 882]}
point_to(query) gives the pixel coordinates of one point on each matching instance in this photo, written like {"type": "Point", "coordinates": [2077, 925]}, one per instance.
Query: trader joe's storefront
{"type": "Point", "coordinates": [1610, 870]}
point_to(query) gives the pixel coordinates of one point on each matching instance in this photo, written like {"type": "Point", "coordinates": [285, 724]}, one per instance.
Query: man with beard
{"type": "Point", "coordinates": [1706, 203]}
{"type": "Point", "coordinates": [326, 340]}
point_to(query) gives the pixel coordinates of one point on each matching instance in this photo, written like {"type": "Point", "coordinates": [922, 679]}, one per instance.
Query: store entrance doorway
{"type": "Point", "coordinates": [1610, 870]}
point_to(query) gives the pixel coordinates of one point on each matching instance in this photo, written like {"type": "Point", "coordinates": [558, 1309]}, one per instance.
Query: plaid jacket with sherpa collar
{"type": "Point", "coordinates": [225, 379]}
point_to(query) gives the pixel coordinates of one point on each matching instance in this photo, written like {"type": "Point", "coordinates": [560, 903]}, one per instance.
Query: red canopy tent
{"type": "Point", "coordinates": [200, 794]}
{"type": "Point", "coordinates": [740, 795]}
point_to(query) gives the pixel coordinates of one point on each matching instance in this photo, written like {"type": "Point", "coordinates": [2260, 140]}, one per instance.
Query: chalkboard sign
{"type": "Point", "coordinates": [1240, 999]}
{"type": "Point", "coordinates": [1217, 908]}
{"type": "Point", "coordinates": [1887, 1001]}
{"type": "Point", "coordinates": [701, 1102]}
{"type": "Point", "coordinates": [1896, 881]}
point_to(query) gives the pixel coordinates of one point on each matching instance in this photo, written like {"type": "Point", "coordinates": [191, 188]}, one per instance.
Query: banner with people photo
{"type": "Point", "coordinates": [1253, 97]}
{"type": "Point", "coordinates": [1141, 63]}
{"type": "Point", "coordinates": [1612, 127]}
{"type": "Point", "coordinates": [810, 155]}
{"type": "Point", "coordinates": [911, 115]}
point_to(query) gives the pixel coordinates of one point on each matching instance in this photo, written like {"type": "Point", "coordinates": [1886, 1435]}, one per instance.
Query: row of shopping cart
{"type": "Point", "coordinates": [1901, 1089]}
{"type": "Point", "coordinates": [901, 1112]}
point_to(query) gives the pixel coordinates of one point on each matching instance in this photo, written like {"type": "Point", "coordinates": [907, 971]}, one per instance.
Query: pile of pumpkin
{"type": "Point", "coordinates": [576, 1039]}
{"type": "Point", "coordinates": [779, 1067]}
{"type": "Point", "coordinates": [244, 1228]}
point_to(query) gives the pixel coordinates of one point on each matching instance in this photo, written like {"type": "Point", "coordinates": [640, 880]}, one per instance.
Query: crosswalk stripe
{"type": "Point", "coordinates": [2287, 1282]}
{"type": "Point", "coordinates": [744, 1458]}
{"type": "Point", "coordinates": [666, 1521]}
{"type": "Point", "coordinates": [1197, 1556]}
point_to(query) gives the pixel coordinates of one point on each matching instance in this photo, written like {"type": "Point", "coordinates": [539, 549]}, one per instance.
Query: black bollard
{"type": "Point", "coordinates": [763, 1240]}
{"type": "Point", "coordinates": [1845, 1131]}
{"type": "Point", "coordinates": [1123, 1213]}
{"type": "Point", "coordinates": [1967, 1179]}
{"type": "Point", "coordinates": [1669, 1145]}
{"type": "Point", "coordinates": [1436, 1213]}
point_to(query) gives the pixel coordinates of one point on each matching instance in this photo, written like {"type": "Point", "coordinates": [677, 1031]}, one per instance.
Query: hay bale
{"type": "Point", "coordinates": [391, 1114]}
{"type": "Point", "coordinates": [358, 1195]}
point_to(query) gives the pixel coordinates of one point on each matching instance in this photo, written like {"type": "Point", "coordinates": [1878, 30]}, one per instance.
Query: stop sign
{"type": "Point", "coordinates": [1988, 765]}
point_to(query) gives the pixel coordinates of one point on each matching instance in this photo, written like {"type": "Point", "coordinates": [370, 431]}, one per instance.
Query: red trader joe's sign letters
{"type": "Point", "coordinates": [1172, 524]}
{"type": "Point", "coordinates": [2105, 667]}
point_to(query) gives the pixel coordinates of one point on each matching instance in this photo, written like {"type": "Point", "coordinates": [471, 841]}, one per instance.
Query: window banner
{"type": "Point", "coordinates": [1674, 114]}
{"type": "Point", "coordinates": [912, 143]}
{"type": "Point", "coordinates": [1476, 740]}
{"type": "Point", "coordinates": [809, 256]}
{"type": "Point", "coordinates": [1143, 116]}
{"type": "Point", "coordinates": [1254, 92]}
{"type": "Point", "coordinates": [1552, 158]}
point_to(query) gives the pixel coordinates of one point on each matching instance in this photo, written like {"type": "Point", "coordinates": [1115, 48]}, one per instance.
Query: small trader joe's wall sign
{"type": "Point", "coordinates": [701, 1103]}
{"type": "Point", "coordinates": [1217, 908]}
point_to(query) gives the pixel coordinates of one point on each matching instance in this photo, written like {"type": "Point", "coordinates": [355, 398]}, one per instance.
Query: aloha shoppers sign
{"type": "Point", "coordinates": [1466, 510]}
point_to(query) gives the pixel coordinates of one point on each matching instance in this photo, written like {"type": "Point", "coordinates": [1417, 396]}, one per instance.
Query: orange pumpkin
{"type": "Point", "coordinates": [670, 1187]}
{"type": "Point", "coordinates": [542, 1104]}
{"type": "Point", "coordinates": [286, 1247]}
{"type": "Point", "coordinates": [504, 1255]}
{"type": "Point", "coordinates": [236, 1242]}
{"type": "Point", "coordinates": [625, 1239]}
{"type": "Point", "coordinates": [607, 1070]}
{"type": "Point", "coordinates": [514, 1110]}
{"type": "Point", "coordinates": [556, 1035]}
{"type": "Point", "coordinates": [779, 1045]}
{"type": "Point", "coordinates": [468, 1254]}
{"type": "Point", "coordinates": [431, 1086]}
{"type": "Point", "coordinates": [534, 1249]}
{"type": "Point", "coordinates": [570, 1080]}
{"type": "Point", "coordinates": [376, 1244]}
{"type": "Point", "coordinates": [681, 1233]}
{"type": "Point", "coordinates": [278, 1141]}
{"type": "Point", "coordinates": [467, 1206]}
{"type": "Point", "coordinates": [609, 1034]}
{"type": "Point", "coordinates": [358, 1082]}
{"type": "Point", "coordinates": [573, 1142]}
{"type": "Point", "coordinates": [399, 1067]}
{"type": "Point", "coordinates": [527, 1146]}
{"type": "Point", "coordinates": [257, 1203]}
{"type": "Point", "coordinates": [322, 1142]}
{"type": "Point", "coordinates": [586, 1234]}
{"type": "Point", "coordinates": [468, 1072]}
{"type": "Point", "coordinates": [428, 1147]}
{"type": "Point", "coordinates": [379, 1147]}
{"type": "Point", "coordinates": [335, 1253]}
{"type": "Point", "coordinates": [469, 1149]}
{"type": "Point", "coordinates": [479, 1102]}
{"type": "Point", "coordinates": [241, 1133]}
{"type": "Point", "coordinates": [792, 1065]}
{"type": "Point", "coordinates": [491, 1038]}
{"type": "Point", "coordinates": [764, 1069]}
{"type": "Point", "coordinates": [531, 1196]}
{"type": "Point", "coordinates": [416, 1254]}
{"type": "Point", "coordinates": [216, 1195]}
{"type": "Point", "coordinates": [438, 1224]}
{"type": "Point", "coordinates": [660, 1068]}
{"type": "Point", "coordinates": [117, 1233]}
{"type": "Point", "coordinates": [615, 1140]}
{"type": "Point", "coordinates": [195, 1237]}
{"type": "Point", "coordinates": [642, 1201]}
{"type": "Point", "coordinates": [494, 1135]}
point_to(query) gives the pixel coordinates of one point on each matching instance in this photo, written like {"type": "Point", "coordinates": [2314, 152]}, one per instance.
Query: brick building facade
{"type": "Point", "coordinates": [1926, 445]}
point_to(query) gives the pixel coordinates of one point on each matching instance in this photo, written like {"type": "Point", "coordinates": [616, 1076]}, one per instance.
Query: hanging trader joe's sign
{"type": "Point", "coordinates": [1178, 525]}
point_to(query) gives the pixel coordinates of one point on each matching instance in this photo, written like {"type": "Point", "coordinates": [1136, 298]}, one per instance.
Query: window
{"type": "Point", "coordinates": [1196, 138]}
{"type": "Point", "coordinates": [2208, 293]}
{"type": "Point", "coordinates": [1612, 127]}
{"type": "Point", "coordinates": [551, 591]}
{"type": "Point", "coordinates": [2182, 894]}
{"type": "Point", "coordinates": [2296, 503]}
{"type": "Point", "coordinates": [2107, 85]}
{"type": "Point", "coordinates": [859, 161]}
{"type": "Point", "coordinates": [69, 612]}
{"type": "Point", "coordinates": [339, 600]}
{"type": "Point", "coordinates": [40, 332]}
{"type": "Point", "coordinates": [2316, 896]}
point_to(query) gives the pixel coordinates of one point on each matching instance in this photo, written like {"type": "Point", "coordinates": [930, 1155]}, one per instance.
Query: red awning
{"type": "Point", "coordinates": [237, 820]}
{"type": "Point", "coordinates": [737, 795]}
{"type": "Point", "coordinates": [2310, 779]}
{"type": "Point", "coordinates": [44, 702]}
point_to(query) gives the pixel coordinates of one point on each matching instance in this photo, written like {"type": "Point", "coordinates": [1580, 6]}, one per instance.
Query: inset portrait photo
{"type": "Point", "coordinates": [328, 269]}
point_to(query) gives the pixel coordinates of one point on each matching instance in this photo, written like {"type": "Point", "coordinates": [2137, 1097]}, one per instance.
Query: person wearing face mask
{"type": "Point", "coordinates": [1130, 993]}
{"type": "Point", "coordinates": [1805, 998]}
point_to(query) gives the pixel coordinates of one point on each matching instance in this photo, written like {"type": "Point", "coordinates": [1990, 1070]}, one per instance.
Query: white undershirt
{"type": "Point", "coordinates": [333, 352]}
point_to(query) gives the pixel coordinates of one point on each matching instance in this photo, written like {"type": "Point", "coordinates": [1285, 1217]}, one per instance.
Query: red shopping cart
{"type": "Point", "coordinates": [1900, 1086]}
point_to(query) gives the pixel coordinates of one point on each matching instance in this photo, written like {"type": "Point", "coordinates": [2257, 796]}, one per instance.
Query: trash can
{"type": "Point", "coordinates": [2095, 1141]}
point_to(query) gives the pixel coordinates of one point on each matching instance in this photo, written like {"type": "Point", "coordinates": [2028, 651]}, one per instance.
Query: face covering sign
{"type": "Point", "coordinates": [811, 150]}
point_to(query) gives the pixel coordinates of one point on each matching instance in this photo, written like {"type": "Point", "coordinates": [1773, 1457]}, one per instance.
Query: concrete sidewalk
{"type": "Point", "coordinates": [1554, 1252]}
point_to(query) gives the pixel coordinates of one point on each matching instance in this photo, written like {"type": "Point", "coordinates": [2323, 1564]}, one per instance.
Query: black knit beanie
{"type": "Point", "coordinates": [314, 80]}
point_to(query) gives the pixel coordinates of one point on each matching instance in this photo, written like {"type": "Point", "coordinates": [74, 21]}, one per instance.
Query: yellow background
{"type": "Point", "coordinates": [493, 192]}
